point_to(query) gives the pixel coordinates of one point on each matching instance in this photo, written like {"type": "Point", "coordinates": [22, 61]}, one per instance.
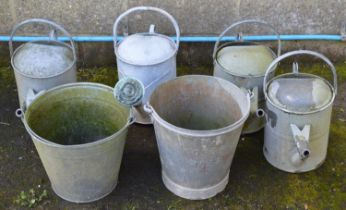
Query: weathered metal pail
{"type": "Point", "coordinates": [197, 120]}
{"type": "Point", "coordinates": [244, 64]}
{"type": "Point", "coordinates": [79, 131]}
{"type": "Point", "coordinates": [299, 107]}
{"type": "Point", "coordinates": [148, 57]}
{"type": "Point", "coordinates": [42, 64]}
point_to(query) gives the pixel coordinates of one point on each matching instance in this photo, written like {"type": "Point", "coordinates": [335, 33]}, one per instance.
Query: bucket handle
{"type": "Point", "coordinates": [272, 67]}
{"type": "Point", "coordinates": [144, 8]}
{"type": "Point", "coordinates": [52, 34]}
{"type": "Point", "coordinates": [239, 37]}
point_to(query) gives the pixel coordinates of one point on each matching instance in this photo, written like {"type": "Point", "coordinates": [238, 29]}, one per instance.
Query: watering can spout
{"type": "Point", "coordinates": [301, 139]}
{"type": "Point", "coordinates": [254, 103]}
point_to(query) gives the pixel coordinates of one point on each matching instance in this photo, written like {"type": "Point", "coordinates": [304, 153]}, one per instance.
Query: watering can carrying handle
{"type": "Point", "coordinates": [42, 21]}
{"type": "Point", "coordinates": [259, 22]}
{"type": "Point", "coordinates": [271, 68]}
{"type": "Point", "coordinates": [143, 8]}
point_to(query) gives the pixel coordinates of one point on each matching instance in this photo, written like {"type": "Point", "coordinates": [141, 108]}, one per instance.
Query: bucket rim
{"type": "Point", "coordinates": [268, 99]}
{"type": "Point", "coordinates": [204, 133]}
{"type": "Point", "coordinates": [70, 67]}
{"type": "Point", "coordinates": [76, 146]}
{"type": "Point", "coordinates": [169, 56]}
{"type": "Point", "coordinates": [216, 61]}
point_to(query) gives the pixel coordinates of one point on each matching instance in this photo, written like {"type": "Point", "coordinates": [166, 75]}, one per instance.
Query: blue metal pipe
{"type": "Point", "coordinates": [289, 37]}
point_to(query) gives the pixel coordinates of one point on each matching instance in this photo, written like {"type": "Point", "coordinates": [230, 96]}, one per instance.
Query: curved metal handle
{"type": "Point", "coordinates": [41, 21]}
{"type": "Point", "coordinates": [259, 22]}
{"type": "Point", "coordinates": [271, 68]}
{"type": "Point", "coordinates": [136, 9]}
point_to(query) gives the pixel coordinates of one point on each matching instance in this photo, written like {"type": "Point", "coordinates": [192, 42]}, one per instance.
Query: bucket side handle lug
{"type": "Point", "coordinates": [239, 36]}
{"type": "Point", "coordinates": [52, 34]}
{"type": "Point", "coordinates": [19, 113]}
{"type": "Point", "coordinates": [132, 118]}
{"type": "Point", "coordinates": [148, 109]}
{"type": "Point", "coordinates": [301, 139]}
{"type": "Point", "coordinates": [30, 97]}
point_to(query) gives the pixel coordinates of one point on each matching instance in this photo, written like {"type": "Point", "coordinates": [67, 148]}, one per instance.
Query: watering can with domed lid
{"type": "Point", "coordinates": [43, 63]}
{"type": "Point", "coordinates": [244, 63]}
{"type": "Point", "coordinates": [149, 57]}
{"type": "Point", "coordinates": [298, 113]}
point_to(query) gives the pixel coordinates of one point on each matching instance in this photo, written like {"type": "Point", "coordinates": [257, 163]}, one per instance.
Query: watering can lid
{"type": "Point", "coordinates": [300, 92]}
{"type": "Point", "coordinates": [43, 58]}
{"type": "Point", "coordinates": [146, 48]}
{"type": "Point", "coordinates": [245, 60]}
{"type": "Point", "coordinates": [129, 91]}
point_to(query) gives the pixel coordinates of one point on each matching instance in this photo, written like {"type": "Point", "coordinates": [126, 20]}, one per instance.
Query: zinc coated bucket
{"type": "Point", "coordinates": [197, 120]}
{"type": "Point", "coordinates": [151, 72]}
{"type": "Point", "coordinates": [298, 116]}
{"type": "Point", "coordinates": [252, 81]}
{"type": "Point", "coordinates": [27, 78]}
{"type": "Point", "coordinates": [79, 131]}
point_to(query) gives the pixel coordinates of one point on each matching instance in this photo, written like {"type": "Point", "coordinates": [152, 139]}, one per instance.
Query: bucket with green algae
{"type": "Point", "coordinates": [79, 131]}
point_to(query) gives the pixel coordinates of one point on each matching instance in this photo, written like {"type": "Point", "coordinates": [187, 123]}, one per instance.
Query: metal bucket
{"type": "Point", "coordinates": [246, 65]}
{"type": "Point", "coordinates": [197, 120]}
{"type": "Point", "coordinates": [79, 131]}
{"type": "Point", "coordinates": [140, 57]}
{"type": "Point", "coordinates": [42, 64]}
{"type": "Point", "coordinates": [299, 107]}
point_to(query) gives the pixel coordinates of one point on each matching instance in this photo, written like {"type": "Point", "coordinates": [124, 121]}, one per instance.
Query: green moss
{"type": "Point", "coordinates": [104, 75]}
{"type": "Point", "coordinates": [184, 70]}
{"type": "Point", "coordinates": [318, 69]}
{"type": "Point", "coordinates": [6, 77]}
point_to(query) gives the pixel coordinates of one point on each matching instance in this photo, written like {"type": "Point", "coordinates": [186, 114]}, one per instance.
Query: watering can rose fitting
{"type": "Point", "coordinates": [252, 80]}
{"type": "Point", "coordinates": [296, 138]}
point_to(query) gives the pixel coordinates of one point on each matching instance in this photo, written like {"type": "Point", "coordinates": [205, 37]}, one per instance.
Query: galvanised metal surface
{"type": "Point", "coordinates": [79, 131]}
{"type": "Point", "coordinates": [28, 79]}
{"type": "Point", "coordinates": [197, 121]}
{"type": "Point", "coordinates": [253, 82]}
{"type": "Point", "coordinates": [295, 139]}
{"type": "Point", "coordinates": [151, 72]}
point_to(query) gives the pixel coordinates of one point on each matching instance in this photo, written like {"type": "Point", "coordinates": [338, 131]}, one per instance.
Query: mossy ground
{"type": "Point", "coordinates": [254, 183]}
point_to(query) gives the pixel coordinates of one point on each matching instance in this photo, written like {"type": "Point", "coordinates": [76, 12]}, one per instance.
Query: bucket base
{"type": "Point", "coordinates": [86, 200]}
{"type": "Point", "coordinates": [192, 193]}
